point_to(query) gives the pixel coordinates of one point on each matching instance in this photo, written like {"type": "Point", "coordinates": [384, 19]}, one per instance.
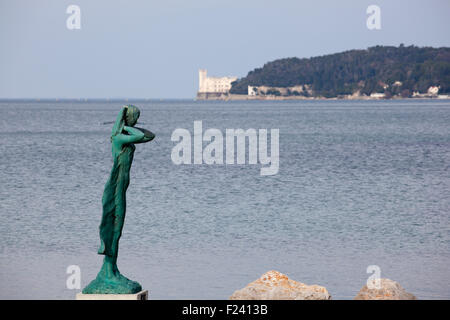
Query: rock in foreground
{"type": "Point", "coordinates": [387, 290]}
{"type": "Point", "coordinates": [274, 285]}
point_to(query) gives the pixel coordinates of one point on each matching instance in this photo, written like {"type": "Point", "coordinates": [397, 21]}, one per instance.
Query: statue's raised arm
{"type": "Point", "coordinates": [148, 135]}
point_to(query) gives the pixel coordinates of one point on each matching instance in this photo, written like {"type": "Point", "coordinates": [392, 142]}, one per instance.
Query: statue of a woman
{"type": "Point", "coordinates": [123, 138]}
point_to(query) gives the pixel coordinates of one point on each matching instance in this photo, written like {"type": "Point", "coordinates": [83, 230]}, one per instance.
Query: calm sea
{"type": "Point", "coordinates": [360, 183]}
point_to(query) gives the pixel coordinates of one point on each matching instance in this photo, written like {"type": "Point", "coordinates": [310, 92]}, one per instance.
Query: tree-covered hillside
{"type": "Point", "coordinates": [376, 69]}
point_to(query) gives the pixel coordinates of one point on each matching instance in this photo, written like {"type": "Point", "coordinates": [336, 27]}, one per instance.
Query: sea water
{"type": "Point", "coordinates": [360, 183]}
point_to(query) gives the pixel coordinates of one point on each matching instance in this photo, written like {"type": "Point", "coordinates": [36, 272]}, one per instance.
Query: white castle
{"type": "Point", "coordinates": [213, 84]}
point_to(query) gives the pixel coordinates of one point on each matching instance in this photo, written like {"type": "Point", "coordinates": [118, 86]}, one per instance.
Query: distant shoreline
{"type": "Point", "coordinates": [243, 97]}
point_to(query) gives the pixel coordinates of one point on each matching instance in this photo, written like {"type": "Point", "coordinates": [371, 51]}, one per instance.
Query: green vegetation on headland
{"type": "Point", "coordinates": [386, 70]}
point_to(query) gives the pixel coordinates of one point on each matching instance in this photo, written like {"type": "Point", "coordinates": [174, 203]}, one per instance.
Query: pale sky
{"type": "Point", "coordinates": [153, 49]}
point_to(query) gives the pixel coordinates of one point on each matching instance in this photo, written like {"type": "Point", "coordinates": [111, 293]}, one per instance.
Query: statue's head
{"type": "Point", "coordinates": [132, 115]}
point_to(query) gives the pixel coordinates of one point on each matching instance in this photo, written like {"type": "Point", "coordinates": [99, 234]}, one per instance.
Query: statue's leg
{"type": "Point", "coordinates": [114, 224]}
{"type": "Point", "coordinates": [118, 226]}
{"type": "Point", "coordinates": [107, 223]}
{"type": "Point", "coordinates": [106, 232]}
{"type": "Point", "coordinates": [119, 218]}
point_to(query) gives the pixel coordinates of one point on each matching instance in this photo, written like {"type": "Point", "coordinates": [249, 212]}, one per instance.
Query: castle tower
{"type": "Point", "coordinates": [202, 80]}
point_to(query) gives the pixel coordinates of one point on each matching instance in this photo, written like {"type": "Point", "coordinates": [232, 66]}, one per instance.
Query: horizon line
{"type": "Point", "coordinates": [91, 99]}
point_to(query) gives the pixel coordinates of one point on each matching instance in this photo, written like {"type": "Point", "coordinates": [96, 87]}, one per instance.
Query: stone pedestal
{"type": "Point", "coordinates": [143, 295]}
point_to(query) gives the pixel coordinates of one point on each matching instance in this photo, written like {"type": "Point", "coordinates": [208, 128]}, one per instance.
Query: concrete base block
{"type": "Point", "coordinates": [143, 295]}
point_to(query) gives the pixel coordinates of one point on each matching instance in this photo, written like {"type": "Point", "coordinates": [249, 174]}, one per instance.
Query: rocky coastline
{"type": "Point", "coordinates": [241, 97]}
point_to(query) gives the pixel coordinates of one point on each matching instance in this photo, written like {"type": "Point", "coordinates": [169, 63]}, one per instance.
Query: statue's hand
{"type": "Point", "coordinates": [148, 135]}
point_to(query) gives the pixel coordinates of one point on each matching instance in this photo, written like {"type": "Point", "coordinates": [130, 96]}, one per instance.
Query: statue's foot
{"type": "Point", "coordinates": [117, 284]}
{"type": "Point", "coordinates": [126, 280]}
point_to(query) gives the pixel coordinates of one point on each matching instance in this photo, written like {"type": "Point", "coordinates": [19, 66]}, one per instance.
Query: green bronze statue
{"type": "Point", "coordinates": [123, 138]}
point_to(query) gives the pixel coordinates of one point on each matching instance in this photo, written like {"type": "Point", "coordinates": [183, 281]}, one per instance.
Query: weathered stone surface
{"type": "Point", "coordinates": [387, 290]}
{"type": "Point", "coordinates": [274, 285]}
{"type": "Point", "coordinates": [142, 295]}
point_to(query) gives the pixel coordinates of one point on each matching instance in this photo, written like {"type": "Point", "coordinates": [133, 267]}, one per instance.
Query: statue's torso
{"type": "Point", "coordinates": [123, 162]}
